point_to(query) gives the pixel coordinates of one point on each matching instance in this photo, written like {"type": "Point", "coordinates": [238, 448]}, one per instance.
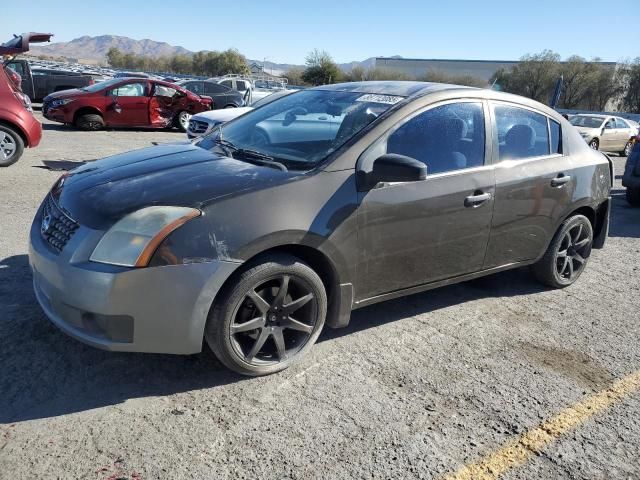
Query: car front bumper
{"type": "Point", "coordinates": [159, 309]}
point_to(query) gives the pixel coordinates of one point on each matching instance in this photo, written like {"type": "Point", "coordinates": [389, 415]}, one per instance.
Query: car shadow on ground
{"type": "Point", "coordinates": [625, 219]}
{"type": "Point", "coordinates": [44, 373]}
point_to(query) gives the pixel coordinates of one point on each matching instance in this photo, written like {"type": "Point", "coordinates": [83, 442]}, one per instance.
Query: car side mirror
{"type": "Point", "coordinates": [392, 167]}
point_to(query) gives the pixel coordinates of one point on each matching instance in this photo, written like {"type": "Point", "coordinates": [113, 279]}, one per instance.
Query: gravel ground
{"type": "Point", "coordinates": [413, 388]}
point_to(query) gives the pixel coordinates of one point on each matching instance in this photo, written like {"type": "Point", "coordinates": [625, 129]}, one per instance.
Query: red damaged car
{"type": "Point", "coordinates": [125, 102]}
{"type": "Point", "coordinates": [18, 127]}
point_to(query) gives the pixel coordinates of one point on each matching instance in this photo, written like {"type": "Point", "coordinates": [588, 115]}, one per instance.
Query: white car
{"type": "Point", "coordinates": [606, 133]}
{"type": "Point", "coordinates": [203, 123]}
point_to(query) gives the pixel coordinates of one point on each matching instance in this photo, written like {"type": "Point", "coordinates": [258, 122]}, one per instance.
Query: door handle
{"type": "Point", "coordinates": [477, 199]}
{"type": "Point", "coordinates": [560, 180]}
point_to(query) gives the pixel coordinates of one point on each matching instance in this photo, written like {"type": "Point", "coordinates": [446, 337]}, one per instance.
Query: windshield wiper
{"type": "Point", "coordinates": [252, 156]}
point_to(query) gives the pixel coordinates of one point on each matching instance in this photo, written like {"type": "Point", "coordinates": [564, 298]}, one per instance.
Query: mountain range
{"type": "Point", "coordinates": [93, 50]}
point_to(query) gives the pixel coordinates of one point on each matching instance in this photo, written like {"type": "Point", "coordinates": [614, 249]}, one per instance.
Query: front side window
{"type": "Point", "coordinates": [302, 129]}
{"type": "Point", "coordinates": [446, 138]}
{"type": "Point", "coordinates": [521, 133]}
{"type": "Point", "coordinates": [610, 124]}
{"type": "Point", "coordinates": [227, 83]}
{"type": "Point", "coordinates": [215, 88]}
{"type": "Point", "coordinates": [137, 89]}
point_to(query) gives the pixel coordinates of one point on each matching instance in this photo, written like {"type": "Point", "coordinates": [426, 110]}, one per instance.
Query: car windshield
{"type": "Point", "coordinates": [302, 129]}
{"type": "Point", "coordinates": [587, 122]}
{"type": "Point", "coordinates": [96, 87]}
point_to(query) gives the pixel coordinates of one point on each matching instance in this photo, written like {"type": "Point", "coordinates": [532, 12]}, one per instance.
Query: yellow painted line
{"type": "Point", "coordinates": [516, 452]}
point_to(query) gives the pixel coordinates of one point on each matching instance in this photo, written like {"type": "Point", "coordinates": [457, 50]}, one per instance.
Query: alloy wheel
{"type": "Point", "coordinates": [594, 144]}
{"type": "Point", "coordinates": [627, 149]}
{"type": "Point", "coordinates": [572, 254]}
{"type": "Point", "coordinates": [184, 118]}
{"type": "Point", "coordinates": [7, 146]}
{"type": "Point", "coordinates": [274, 321]}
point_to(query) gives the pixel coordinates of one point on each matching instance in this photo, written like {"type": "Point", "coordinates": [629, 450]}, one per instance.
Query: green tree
{"type": "Point", "coordinates": [534, 76]}
{"type": "Point", "coordinates": [631, 98]}
{"type": "Point", "coordinates": [321, 69]}
{"type": "Point", "coordinates": [294, 76]}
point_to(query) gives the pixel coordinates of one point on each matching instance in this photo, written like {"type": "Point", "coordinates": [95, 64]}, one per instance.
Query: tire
{"type": "Point", "coordinates": [633, 196]}
{"type": "Point", "coordinates": [627, 149]}
{"type": "Point", "coordinates": [256, 296]}
{"type": "Point", "coordinates": [89, 122]}
{"type": "Point", "coordinates": [11, 146]}
{"type": "Point", "coordinates": [182, 120]}
{"type": "Point", "coordinates": [594, 144]}
{"type": "Point", "coordinates": [567, 255]}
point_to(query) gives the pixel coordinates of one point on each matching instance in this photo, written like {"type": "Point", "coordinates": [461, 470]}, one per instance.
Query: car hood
{"type": "Point", "coordinates": [588, 131]}
{"type": "Point", "coordinates": [73, 92]}
{"type": "Point", "coordinates": [223, 115]}
{"type": "Point", "coordinates": [100, 193]}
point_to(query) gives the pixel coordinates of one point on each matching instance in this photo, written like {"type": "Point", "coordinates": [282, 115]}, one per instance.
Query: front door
{"type": "Point", "coordinates": [128, 104]}
{"type": "Point", "coordinates": [534, 184]}
{"type": "Point", "coordinates": [414, 233]}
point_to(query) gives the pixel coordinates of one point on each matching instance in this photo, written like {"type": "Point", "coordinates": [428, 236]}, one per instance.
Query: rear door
{"type": "Point", "coordinates": [534, 183]}
{"type": "Point", "coordinates": [608, 138]}
{"type": "Point", "coordinates": [128, 104]}
{"type": "Point", "coordinates": [624, 134]}
{"type": "Point", "coordinates": [222, 96]}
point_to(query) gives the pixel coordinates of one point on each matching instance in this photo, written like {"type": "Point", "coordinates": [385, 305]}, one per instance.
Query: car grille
{"type": "Point", "coordinates": [198, 127]}
{"type": "Point", "coordinates": [56, 227]}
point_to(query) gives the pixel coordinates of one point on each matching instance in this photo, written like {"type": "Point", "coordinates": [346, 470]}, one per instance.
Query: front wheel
{"type": "Point", "coordinates": [567, 255]}
{"type": "Point", "coordinates": [90, 122]}
{"type": "Point", "coordinates": [11, 146]}
{"type": "Point", "coordinates": [594, 144]}
{"type": "Point", "coordinates": [627, 149]}
{"type": "Point", "coordinates": [269, 318]}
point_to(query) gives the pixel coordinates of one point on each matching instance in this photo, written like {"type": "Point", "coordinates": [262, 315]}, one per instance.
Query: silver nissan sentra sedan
{"type": "Point", "coordinates": [287, 218]}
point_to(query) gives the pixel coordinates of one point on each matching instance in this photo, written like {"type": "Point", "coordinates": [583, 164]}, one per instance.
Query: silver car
{"type": "Point", "coordinates": [607, 133]}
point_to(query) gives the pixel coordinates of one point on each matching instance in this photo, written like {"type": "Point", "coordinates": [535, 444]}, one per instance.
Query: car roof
{"type": "Point", "coordinates": [400, 88]}
{"type": "Point", "coordinates": [592, 115]}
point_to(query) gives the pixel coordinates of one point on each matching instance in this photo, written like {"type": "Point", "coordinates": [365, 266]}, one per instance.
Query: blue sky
{"type": "Point", "coordinates": [284, 31]}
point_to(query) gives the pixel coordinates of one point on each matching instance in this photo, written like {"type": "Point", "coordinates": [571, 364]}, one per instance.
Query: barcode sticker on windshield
{"type": "Point", "coordinates": [377, 98]}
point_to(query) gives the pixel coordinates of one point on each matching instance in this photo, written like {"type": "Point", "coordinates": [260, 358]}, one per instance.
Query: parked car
{"type": "Point", "coordinates": [125, 102]}
{"type": "Point", "coordinates": [254, 242]}
{"type": "Point", "coordinates": [38, 83]}
{"type": "Point", "coordinates": [203, 123]}
{"type": "Point", "coordinates": [607, 133]}
{"type": "Point", "coordinates": [18, 127]}
{"type": "Point", "coordinates": [223, 96]}
{"type": "Point", "coordinates": [631, 177]}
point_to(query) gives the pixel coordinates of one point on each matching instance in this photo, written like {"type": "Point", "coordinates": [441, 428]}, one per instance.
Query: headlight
{"type": "Point", "coordinates": [61, 102]}
{"type": "Point", "coordinates": [132, 240]}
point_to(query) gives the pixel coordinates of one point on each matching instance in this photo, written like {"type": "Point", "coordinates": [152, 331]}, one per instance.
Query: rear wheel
{"type": "Point", "coordinates": [633, 196]}
{"type": "Point", "coordinates": [594, 144]}
{"type": "Point", "coordinates": [89, 121]}
{"type": "Point", "coordinates": [269, 318]}
{"type": "Point", "coordinates": [182, 120]}
{"type": "Point", "coordinates": [11, 146]}
{"type": "Point", "coordinates": [567, 255]}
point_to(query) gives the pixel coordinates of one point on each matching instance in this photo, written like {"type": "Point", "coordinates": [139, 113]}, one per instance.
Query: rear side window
{"type": "Point", "coordinates": [621, 123]}
{"type": "Point", "coordinates": [521, 133]}
{"type": "Point", "coordinates": [446, 138]}
{"type": "Point", "coordinates": [194, 87]}
{"type": "Point", "coordinates": [556, 137]}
